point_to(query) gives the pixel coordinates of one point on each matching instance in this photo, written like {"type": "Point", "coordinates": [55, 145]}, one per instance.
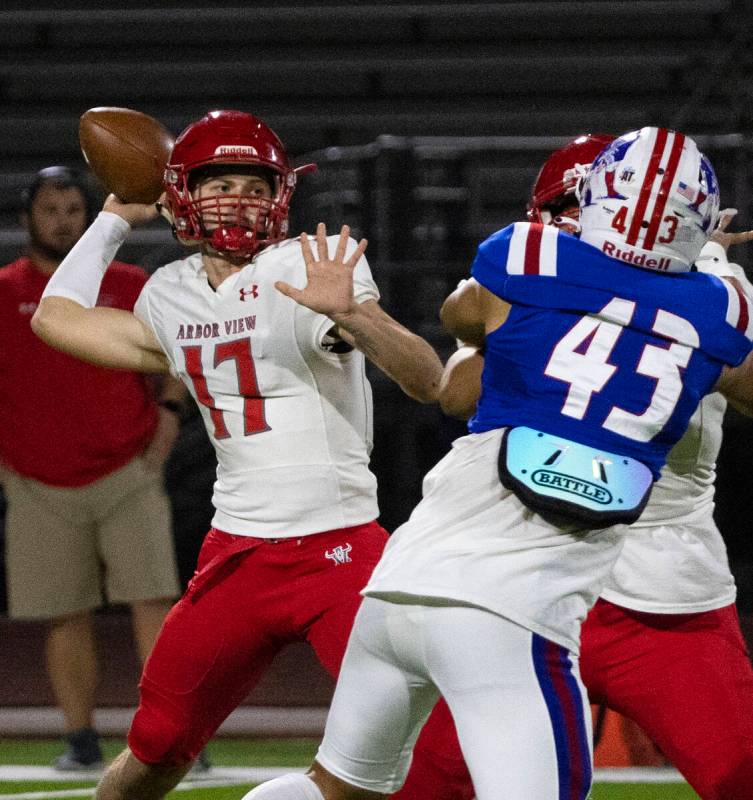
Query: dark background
{"type": "Point", "coordinates": [428, 121]}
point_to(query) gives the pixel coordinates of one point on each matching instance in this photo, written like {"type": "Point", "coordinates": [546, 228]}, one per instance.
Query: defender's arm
{"type": "Point", "coordinates": [471, 312]}
{"type": "Point", "coordinates": [460, 386]}
{"type": "Point", "coordinates": [736, 384]}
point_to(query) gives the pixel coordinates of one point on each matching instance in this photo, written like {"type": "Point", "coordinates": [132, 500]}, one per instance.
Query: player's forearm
{"type": "Point", "coordinates": [80, 274]}
{"type": "Point", "coordinates": [407, 359]}
{"type": "Point", "coordinates": [461, 316]}
{"type": "Point", "coordinates": [460, 386]}
{"type": "Point", "coordinates": [107, 337]}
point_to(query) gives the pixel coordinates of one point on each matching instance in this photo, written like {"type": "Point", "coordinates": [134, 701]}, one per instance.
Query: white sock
{"type": "Point", "coordinates": [79, 275]}
{"type": "Point", "coordinates": [289, 787]}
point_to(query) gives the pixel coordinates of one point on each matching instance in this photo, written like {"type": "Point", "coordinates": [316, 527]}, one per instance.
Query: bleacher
{"type": "Point", "coordinates": [345, 74]}
{"type": "Point", "coordinates": [428, 120]}
{"type": "Point", "coordinates": [337, 74]}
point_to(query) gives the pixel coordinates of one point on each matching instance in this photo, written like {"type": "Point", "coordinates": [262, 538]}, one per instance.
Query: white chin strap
{"type": "Point", "coordinates": [561, 222]}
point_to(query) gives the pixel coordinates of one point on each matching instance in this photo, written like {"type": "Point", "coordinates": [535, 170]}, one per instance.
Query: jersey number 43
{"type": "Point", "coordinates": [580, 358]}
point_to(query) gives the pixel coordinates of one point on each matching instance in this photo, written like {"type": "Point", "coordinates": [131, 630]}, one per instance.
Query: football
{"type": "Point", "coordinates": [127, 151]}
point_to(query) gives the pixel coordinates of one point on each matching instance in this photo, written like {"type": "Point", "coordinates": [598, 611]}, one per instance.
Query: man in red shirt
{"type": "Point", "coordinates": [81, 452]}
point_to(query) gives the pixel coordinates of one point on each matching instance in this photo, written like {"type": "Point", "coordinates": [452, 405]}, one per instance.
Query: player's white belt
{"type": "Point", "coordinates": [565, 481]}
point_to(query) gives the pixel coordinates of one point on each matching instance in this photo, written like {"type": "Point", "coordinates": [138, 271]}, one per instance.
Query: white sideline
{"type": "Point", "coordinates": [217, 776]}
{"type": "Point", "coordinates": [224, 774]}
{"type": "Point", "coordinates": [637, 775]}
{"type": "Point", "coordinates": [244, 721]}
{"type": "Point", "coordinates": [227, 776]}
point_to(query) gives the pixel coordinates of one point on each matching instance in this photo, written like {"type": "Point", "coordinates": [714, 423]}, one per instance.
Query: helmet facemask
{"type": "Point", "coordinates": [232, 224]}
{"type": "Point", "coordinates": [229, 143]}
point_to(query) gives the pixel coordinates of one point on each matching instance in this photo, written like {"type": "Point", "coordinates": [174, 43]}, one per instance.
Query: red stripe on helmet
{"type": "Point", "coordinates": [664, 189]}
{"type": "Point", "coordinates": [533, 250]}
{"type": "Point", "coordinates": [648, 182]}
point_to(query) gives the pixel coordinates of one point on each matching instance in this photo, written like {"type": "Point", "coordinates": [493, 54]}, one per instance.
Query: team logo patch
{"type": "Point", "coordinates": [252, 292]}
{"type": "Point", "coordinates": [339, 554]}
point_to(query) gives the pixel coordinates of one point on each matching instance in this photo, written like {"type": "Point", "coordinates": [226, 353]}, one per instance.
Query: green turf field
{"type": "Point", "coordinates": [642, 791]}
{"type": "Point", "coordinates": [234, 753]}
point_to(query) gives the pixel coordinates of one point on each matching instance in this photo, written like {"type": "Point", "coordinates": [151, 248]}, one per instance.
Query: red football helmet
{"type": "Point", "coordinates": [560, 174]}
{"type": "Point", "coordinates": [231, 138]}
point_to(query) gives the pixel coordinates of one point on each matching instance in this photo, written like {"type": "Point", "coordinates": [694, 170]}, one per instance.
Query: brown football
{"type": "Point", "coordinates": [127, 151]}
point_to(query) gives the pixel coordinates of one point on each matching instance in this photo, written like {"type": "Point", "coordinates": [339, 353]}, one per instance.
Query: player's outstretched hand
{"type": "Point", "coordinates": [329, 287]}
{"type": "Point", "coordinates": [133, 213]}
{"type": "Point", "coordinates": [723, 237]}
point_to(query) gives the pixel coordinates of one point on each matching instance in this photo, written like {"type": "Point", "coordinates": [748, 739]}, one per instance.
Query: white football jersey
{"type": "Point", "coordinates": [290, 421]}
{"type": "Point", "coordinates": [470, 541]}
{"type": "Point", "coordinates": [674, 560]}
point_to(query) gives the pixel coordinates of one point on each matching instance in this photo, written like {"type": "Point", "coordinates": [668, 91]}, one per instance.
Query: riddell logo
{"type": "Point", "coordinates": [236, 150]}
{"type": "Point", "coordinates": [638, 260]}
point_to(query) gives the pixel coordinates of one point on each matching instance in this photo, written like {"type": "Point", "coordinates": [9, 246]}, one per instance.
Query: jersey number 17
{"type": "Point", "coordinates": [239, 351]}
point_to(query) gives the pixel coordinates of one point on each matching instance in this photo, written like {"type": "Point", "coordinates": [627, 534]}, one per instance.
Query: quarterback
{"type": "Point", "coordinates": [269, 334]}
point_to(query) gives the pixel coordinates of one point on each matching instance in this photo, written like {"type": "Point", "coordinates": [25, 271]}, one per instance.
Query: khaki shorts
{"type": "Point", "coordinates": [67, 549]}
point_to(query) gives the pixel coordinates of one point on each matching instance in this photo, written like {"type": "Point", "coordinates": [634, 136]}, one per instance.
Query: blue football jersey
{"type": "Point", "coordinates": [598, 351]}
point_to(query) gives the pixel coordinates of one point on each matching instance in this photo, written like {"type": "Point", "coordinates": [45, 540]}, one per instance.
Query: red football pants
{"type": "Point", "coordinates": [248, 599]}
{"type": "Point", "coordinates": [686, 679]}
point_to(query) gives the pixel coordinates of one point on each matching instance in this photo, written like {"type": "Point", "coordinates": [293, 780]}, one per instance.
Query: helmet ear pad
{"type": "Point", "coordinates": [651, 198]}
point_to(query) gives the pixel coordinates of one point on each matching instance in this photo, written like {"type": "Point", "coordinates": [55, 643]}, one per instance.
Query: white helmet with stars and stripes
{"type": "Point", "coordinates": [651, 199]}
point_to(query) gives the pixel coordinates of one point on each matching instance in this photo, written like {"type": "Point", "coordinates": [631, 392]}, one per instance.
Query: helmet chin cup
{"type": "Point", "coordinates": [233, 241]}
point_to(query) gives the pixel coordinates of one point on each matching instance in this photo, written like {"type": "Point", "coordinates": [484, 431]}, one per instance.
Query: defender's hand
{"type": "Point", "coordinates": [723, 237]}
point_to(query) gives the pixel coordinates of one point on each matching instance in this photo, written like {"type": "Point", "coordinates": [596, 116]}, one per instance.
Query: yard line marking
{"type": "Point", "coordinates": [44, 795]}
{"type": "Point", "coordinates": [181, 787]}
{"type": "Point", "coordinates": [232, 774]}
{"type": "Point", "coordinates": [228, 776]}
{"type": "Point", "coordinates": [637, 775]}
{"type": "Point", "coordinates": [219, 776]}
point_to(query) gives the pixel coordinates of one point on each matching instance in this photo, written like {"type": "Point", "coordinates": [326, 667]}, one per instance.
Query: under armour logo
{"type": "Point", "coordinates": [339, 554]}
{"type": "Point", "coordinates": [253, 291]}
